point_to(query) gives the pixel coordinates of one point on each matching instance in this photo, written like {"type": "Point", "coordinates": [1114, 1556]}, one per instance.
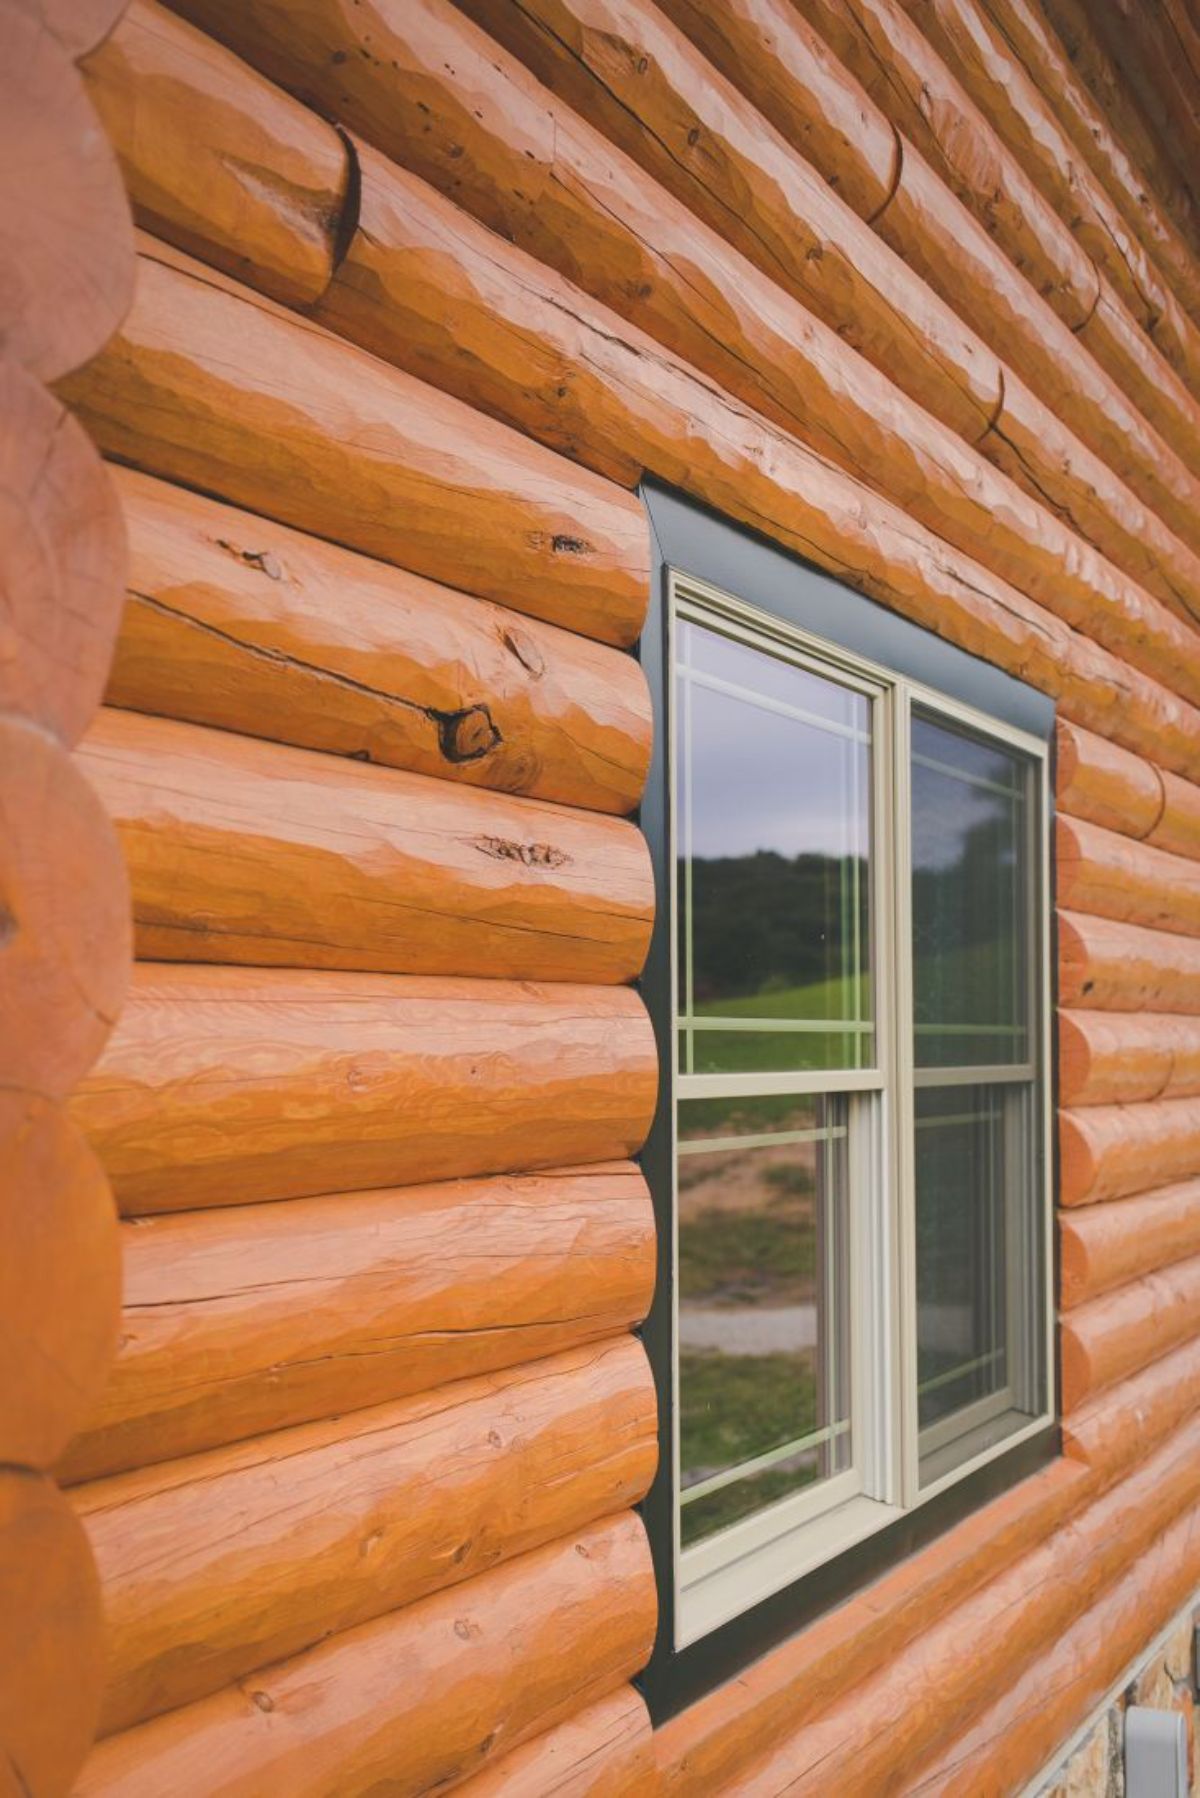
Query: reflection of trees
{"type": "Point", "coordinates": [964, 920]}
{"type": "Point", "coordinates": [766, 921]}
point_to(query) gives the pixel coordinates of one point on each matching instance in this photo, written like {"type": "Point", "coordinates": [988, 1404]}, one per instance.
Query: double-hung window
{"type": "Point", "coordinates": [851, 1160]}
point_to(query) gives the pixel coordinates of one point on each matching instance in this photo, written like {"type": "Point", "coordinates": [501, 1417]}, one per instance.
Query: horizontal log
{"type": "Point", "coordinates": [1013, 1739]}
{"type": "Point", "coordinates": [780, 63]}
{"type": "Point", "coordinates": [1178, 829]}
{"type": "Point", "coordinates": [1019, 1615]}
{"type": "Point", "coordinates": [1098, 780]}
{"type": "Point", "coordinates": [60, 1282]}
{"type": "Point", "coordinates": [66, 236]}
{"type": "Point", "coordinates": [533, 1642]}
{"type": "Point", "coordinates": [1027, 36]}
{"type": "Point", "coordinates": [606, 383]}
{"type": "Point", "coordinates": [242, 623]}
{"type": "Point", "coordinates": [209, 385]}
{"type": "Point", "coordinates": [64, 561]}
{"type": "Point", "coordinates": [1121, 1332]}
{"type": "Point", "coordinates": [217, 160]}
{"type": "Point", "coordinates": [207, 1578]}
{"type": "Point", "coordinates": [1142, 1409]}
{"type": "Point", "coordinates": [706, 1747]}
{"type": "Point", "coordinates": [1121, 967]}
{"type": "Point", "coordinates": [393, 296]}
{"type": "Point", "coordinates": [1102, 1246]}
{"type": "Point", "coordinates": [64, 917]}
{"type": "Point", "coordinates": [1101, 872]}
{"type": "Point", "coordinates": [1119, 1058]}
{"type": "Point", "coordinates": [79, 25]}
{"type": "Point", "coordinates": [925, 102]}
{"type": "Point", "coordinates": [605, 1751]}
{"type": "Point", "coordinates": [52, 1643]}
{"type": "Point", "coordinates": [249, 852]}
{"type": "Point", "coordinates": [1108, 1151]}
{"type": "Point", "coordinates": [224, 1086]}
{"type": "Point", "coordinates": [243, 1320]}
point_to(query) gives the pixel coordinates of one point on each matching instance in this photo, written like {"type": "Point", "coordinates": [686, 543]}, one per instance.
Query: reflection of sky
{"type": "Point", "coordinates": [945, 810]}
{"type": "Point", "coordinates": [763, 781]}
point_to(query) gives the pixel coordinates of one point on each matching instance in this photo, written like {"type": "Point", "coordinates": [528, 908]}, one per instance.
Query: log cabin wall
{"type": "Point", "coordinates": [422, 291]}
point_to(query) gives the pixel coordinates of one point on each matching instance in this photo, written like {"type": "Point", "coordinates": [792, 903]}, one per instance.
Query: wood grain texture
{"type": "Point", "coordinates": [486, 1666]}
{"type": "Point", "coordinates": [63, 549]}
{"type": "Point", "coordinates": [209, 385]}
{"type": "Point", "coordinates": [66, 236]}
{"type": "Point", "coordinates": [1119, 1058]}
{"type": "Point", "coordinates": [79, 25]}
{"type": "Point", "coordinates": [1142, 1409]}
{"type": "Point", "coordinates": [1102, 1246]}
{"type": "Point", "coordinates": [239, 622]}
{"type": "Point", "coordinates": [1098, 780]}
{"type": "Point", "coordinates": [64, 917]}
{"type": "Point", "coordinates": [60, 1282]}
{"type": "Point", "coordinates": [207, 1576]}
{"type": "Point", "coordinates": [238, 1321]}
{"type": "Point", "coordinates": [223, 1086]}
{"type": "Point", "coordinates": [52, 1643]}
{"type": "Point", "coordinates": [605, 1751]}
{"type": "Point", "coordinates": [1107, 1151]}
{"type": "Point", "coordinates": [1102, 872]}
{"type": "Point", "coordinates": [1120, 1332]}
{"type": "Point", "coordinates": [1121, 967]}
{"type": "Point", "coordinates": [217, 160]}
{"type": "Point", "coordinates": [424, 287]}
{"type": "Point", "coordinates": [254, 853]}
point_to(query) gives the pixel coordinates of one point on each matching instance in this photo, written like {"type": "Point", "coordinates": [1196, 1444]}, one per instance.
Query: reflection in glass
{"type": "Point", "coordinates": [773, 823]}
{"type": "Point", "coordinates": [970, 853]}
{"type": "Point", "coordinates": [763, 1304]}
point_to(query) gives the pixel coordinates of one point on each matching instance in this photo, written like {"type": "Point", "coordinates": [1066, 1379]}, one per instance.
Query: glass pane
{"type": "Point", "coordinates": [773, 830]}
{"type": "Point", "coordinates": [763, 1345]}
{"type": "Point", "coordinates": [977, 1269]}
{"type": "Point", "coordinates": [970, 852]}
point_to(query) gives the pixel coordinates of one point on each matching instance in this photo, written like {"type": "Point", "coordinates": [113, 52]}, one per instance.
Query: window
{"type": "Point", "coordinates": [851, 1150]}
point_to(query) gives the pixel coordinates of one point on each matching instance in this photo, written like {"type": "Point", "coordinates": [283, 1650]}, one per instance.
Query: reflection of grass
{"type": "Point", "coordinates": [742, 1052]}
{"type": "Point", "coordinates": [746, 1254]}
{"type": "Point", "coordinates": [833, 998]}
{"type": "Point", "coordinates": [733, 1407]}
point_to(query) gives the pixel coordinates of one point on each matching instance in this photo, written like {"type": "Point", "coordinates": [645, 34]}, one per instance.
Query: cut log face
{"type": "Point", "coordinates": [248, 1319]}
{"type": "Point", "coordinates": [206, 1577]}
{"type": "Point", "coordinates": [80, 25]}
{"type": "Point", "coordinates": [211, 386]}
{"type": "Point", "coordinates": [223, 1086]}
{"type": "Point", "coordinates": [64, 917]}
{"type": "Point", "coordinates": [1122, 967]}
{"type": "Point", "coordinates": [60, 1282]}
{"type": "Point", "coordinates": [66, 235]}
{"type": "Point", "coordinates": [216, 159]}
{"type": "Point", "coordinates": [532, 1642]}
{"type": "Point", "coordinates": [1119, 1058]}
{"type": "Point", "coordinates": [236, 621]}
{"type": "Point", "coordinates": [52, 1643]}
{"type": "Point", "coordinates": [63, 548]}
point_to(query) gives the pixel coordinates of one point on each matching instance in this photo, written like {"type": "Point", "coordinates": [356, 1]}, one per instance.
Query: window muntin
{"type": "Point", "coordinates": [924, 1002]}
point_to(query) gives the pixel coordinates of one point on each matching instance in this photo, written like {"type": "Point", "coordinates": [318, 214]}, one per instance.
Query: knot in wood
{"type": "Point", "coordinates": [532, 855]}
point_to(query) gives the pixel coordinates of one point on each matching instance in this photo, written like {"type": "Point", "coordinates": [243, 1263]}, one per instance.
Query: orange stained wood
{"type": "Point", "coordinates": [1120, 1332]}
{"type": "Point", "coordinates": [64, 561]}
{"type": "Point", "coordinates": [60, 1281]}
{"type": "Point", "coordinates": [237, 621]}
{"type": "Point", "coordinates": [1122, 967]}
{"type": "Point", "coordinates": [64, 916]}
{"type": "Point", "coordinates": [247, 852]}
{"type": "Point", "coordinates": [1102, 1246]}
{"type": "Point", "coordinates": [1102, 872]}
{"type": "Point", "coordinates": [1107, 1151]}
{"type": "Point", "coordinates": [606, 1751]}
{"type": "Point", "coordinates": [250, 1318]}
{"type": "Point", "coordinates": [1107, 1058]}
{"type": "Point", "coordinates": [423, 287]}
{"type": "Point", "coordinates": [79, 25]}
{"type": "Point", "coordinates": [66, 238]}
{"type": "Point", "coordinates": [1122, 1421]}
{"type": "Point", "coordinates": [210, 385]}
{"type": "Point", "coordinates": [218, 160]}
{"type": "Point", "coordinates": [207, 1577]}
{"type": "Point", "coordinates": [222, 1086]}
{"type": "Point", "coordinates": [1178, 830]}
{"type": "Point", "coordinates": [52, 1644]}
{"type": "Point", "coordinates": [549, 1633]}
{"type": "Point", "coordinates": [1098, 780]}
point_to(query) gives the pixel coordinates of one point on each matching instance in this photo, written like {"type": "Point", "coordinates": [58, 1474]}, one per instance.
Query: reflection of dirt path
{"type": "Point", "coordinates": [765, 1330]}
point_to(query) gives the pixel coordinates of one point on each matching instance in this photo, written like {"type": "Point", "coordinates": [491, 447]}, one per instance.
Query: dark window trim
{"type": "Point", "coordinates": [691, 540]}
